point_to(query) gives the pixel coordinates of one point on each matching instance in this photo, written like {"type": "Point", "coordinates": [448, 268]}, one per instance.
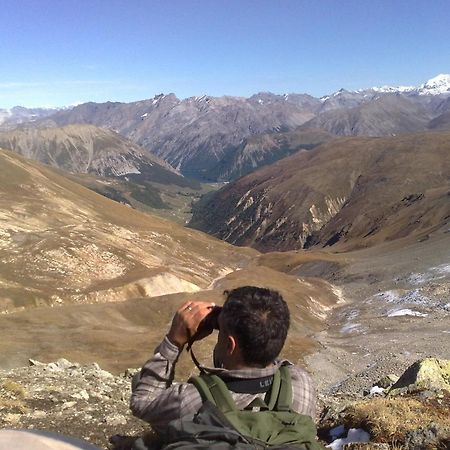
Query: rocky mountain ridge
{"type": "Point", "coordinates": [194, 134]}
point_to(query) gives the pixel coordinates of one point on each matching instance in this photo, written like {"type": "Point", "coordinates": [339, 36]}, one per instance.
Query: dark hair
{"type": "Point", "coordinates": [258, 318]}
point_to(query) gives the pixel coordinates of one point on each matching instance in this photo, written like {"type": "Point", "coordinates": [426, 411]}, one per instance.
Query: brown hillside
{"type": "Point", "coordinates": [352, 191]}
{"type": "Point", "coordinates": [73, 263]}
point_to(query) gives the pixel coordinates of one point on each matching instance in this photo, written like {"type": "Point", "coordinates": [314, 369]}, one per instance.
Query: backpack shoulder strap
{"type": "Point", "coordinates": [213, 389]}
{"type": "Point", "coordinates": [272, 396]}
{"type": "Point", "coordinates": [284, 400]}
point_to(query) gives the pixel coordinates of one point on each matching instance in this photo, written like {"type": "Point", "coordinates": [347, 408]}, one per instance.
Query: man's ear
{"type": "Point", "coordinates": [231, 345]}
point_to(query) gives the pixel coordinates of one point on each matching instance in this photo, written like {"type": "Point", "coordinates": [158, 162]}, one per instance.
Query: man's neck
{"type": "Point", "coordinates": [243, 366]}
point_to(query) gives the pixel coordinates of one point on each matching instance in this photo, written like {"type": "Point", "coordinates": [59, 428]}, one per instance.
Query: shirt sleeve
{"type": "Point", "coordinates": [155, 397]}
{"type": "Point", "coordinates": [303, 392]}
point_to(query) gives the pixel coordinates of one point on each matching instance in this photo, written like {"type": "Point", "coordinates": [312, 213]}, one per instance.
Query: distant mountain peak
{"type": "Point", "coordinates": [435, 86]}
{"type": "Point", "coordinates": [392, 89]}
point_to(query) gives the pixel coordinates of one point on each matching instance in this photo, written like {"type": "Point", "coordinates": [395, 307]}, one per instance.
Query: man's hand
{"type": "Point", "coordinates": [186, 321]}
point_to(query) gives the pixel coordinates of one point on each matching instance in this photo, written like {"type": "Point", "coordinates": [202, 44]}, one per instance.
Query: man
{"type": "Point", "coordinates": [253, 326]}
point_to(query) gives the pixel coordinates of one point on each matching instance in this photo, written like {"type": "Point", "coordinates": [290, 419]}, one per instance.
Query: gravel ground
{"type": "Point", "coordinates": [396, 311]}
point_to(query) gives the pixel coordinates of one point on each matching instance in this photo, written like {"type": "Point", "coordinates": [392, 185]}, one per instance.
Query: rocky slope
{"type": "Point", "coordinates": [86, 402]}
{"type": "Point", "coordinates": [89, 150]}
{"type": "Point", "coordinates": [381, 116]}
{"type": "Point", "coordinates": [111, 165]}
{"type": "Point", "coordinates": [264, 149]}
{"type": "Point", "coordinates": [353, 191]}
{"type": "Point", "coordinates": [79, 401]}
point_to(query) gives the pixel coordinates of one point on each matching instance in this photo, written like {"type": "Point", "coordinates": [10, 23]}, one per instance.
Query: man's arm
{"type": "Point", "coordinates": [155, 398]}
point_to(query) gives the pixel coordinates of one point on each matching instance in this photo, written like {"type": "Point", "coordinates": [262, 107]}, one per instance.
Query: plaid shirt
{"type": "Point", "coordinates": [158, 400]}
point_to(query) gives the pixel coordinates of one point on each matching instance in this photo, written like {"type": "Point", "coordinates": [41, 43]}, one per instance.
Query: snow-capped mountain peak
{"type": "Point", "coordinates": [392, 89]}
{"type": "Point", "coordinates": [435, 86]}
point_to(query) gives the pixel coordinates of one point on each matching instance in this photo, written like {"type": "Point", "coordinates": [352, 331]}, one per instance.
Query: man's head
{"type": "Point", "coordinates": [253, 327]}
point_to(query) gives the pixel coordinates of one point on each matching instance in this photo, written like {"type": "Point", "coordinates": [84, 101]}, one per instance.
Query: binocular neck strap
{"type": "Point", "coordinates": [189, 349]}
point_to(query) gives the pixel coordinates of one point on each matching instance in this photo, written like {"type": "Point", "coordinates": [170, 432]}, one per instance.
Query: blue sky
{"type": "Point", "coordinates": [61, 52]}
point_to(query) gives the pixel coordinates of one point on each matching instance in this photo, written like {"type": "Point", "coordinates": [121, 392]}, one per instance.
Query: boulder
{"type": "Point", "coordinates": [429, 374]}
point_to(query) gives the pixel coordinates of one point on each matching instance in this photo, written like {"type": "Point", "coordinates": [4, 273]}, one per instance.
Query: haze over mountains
{"type": "Point", "coordinates": [10, 118]}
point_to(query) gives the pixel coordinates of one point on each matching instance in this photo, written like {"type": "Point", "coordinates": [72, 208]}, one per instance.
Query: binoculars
{"type": "Point", "coordinates": [211, 321]}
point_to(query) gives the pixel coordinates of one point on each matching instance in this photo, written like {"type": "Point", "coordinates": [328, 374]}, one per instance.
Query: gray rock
{"type": "Point", "coordinates": [82, 395]}
{"type": "Point", "coordinates": [115, 419]}
{"type": "Point", "coordinates": [387, 381]}
{"type": "Point", "coordinates": [63, 363]}
{"type": "Point", "coordinates": [432, 436]}
{"type": "Point", "coordinates": [33, 362]}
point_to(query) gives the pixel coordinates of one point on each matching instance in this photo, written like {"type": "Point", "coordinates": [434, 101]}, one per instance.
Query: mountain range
{"type": "Point", "coordinates": [211, 138]}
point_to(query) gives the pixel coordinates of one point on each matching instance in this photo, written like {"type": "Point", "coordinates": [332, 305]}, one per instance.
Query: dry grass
{"type": "Point", "coordinates": [390, 420]}
{"type": "Point", "coordinates": [14, 388]}
{"type": "Point", "coordinates": [8, 405]}
{"type": "Point", "coordinates": [12, 396]}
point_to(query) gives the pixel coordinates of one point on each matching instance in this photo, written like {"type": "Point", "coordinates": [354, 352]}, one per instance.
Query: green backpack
{"type": "Point", "coordinates": [219, 424]}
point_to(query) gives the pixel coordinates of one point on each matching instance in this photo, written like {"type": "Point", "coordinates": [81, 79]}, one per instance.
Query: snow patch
{"type": "Point", "coordinates": [433, 273]}
{"type": "Point", "coordinates": [443, 269]}
{"type": "Point", "coordinates": [351, 328]}
{"type": "Point", "coordinates": [353, 435]}
{"type": "Point", "coordinates": [392, 89]}
{"type": "Point", "coordinates": [337, 432]}
{"type": "Point", "coordinates": [376, 390]}
{"type": "Point", "coordinates": [405, 312]}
